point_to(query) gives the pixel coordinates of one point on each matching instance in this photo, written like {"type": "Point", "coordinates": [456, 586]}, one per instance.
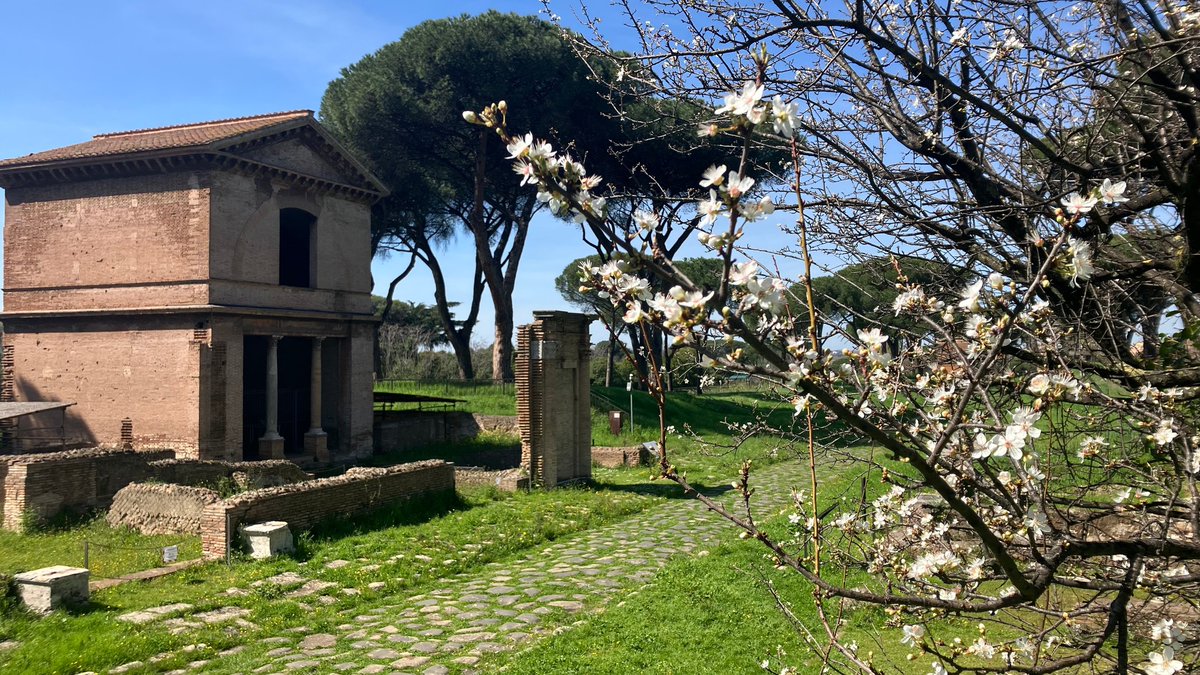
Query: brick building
{"type": "Point", "coordinates": [203, 287]}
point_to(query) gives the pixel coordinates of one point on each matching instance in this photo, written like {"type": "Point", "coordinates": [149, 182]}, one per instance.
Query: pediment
{"type": "Point", "coordinates": [298, 154]}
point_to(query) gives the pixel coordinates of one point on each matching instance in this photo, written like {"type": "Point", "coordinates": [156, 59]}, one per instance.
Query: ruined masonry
{"type": "Point", "coordinates": [554, 397]}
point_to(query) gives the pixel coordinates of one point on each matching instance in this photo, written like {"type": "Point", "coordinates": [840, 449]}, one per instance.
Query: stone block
{"type": "Point", "coordinates": [317, 445]}
{"type": "Point", "coordinates": [271, 448]}
{"type": "Point", "coordinates": [269, 539]}
{"type": "Point", "coordinates": [49, 588]}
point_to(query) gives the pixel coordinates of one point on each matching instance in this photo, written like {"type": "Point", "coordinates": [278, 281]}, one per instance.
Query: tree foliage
{"type": "Point", "coordinates": [1041, 465]}
{"type": "Point", "coordinates": [400, 109]}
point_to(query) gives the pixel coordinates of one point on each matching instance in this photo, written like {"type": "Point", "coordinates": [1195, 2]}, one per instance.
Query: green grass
{"type": "Point", "coordinates": [112, 552]}
{"type": "Point", "coordinates": [479, 397]}
{"type": "Point", "coordinates": [463, 452]}
{"type": "Point", "coordinates": [701, 614]}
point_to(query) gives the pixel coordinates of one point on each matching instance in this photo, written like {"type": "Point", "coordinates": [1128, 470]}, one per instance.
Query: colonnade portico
{"type": "Point", "coordinates": [271, 444]}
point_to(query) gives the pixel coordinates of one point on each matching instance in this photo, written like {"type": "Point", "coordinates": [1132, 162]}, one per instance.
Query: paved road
{"type": "Point", "coordinates": [500, 607]}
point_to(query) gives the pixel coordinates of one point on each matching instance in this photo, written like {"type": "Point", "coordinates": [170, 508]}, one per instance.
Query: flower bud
{"type": "Point", "coordinates": [470, 117]}
{"type": "Point", "coordinates": [503, 106]}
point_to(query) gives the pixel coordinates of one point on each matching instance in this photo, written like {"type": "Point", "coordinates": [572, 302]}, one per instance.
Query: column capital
{"type": "Point", "coordinates": [275, 339]}
{"type": "Point", "coordinates": [318, 339]}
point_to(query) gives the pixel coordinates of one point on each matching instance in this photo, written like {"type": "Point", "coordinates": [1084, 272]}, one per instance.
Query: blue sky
{"type": "Point", "coordinates": [75, 69]}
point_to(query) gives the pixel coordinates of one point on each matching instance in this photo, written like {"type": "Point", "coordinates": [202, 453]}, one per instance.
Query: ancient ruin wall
{"type": "Point", "coordinates": [303, 505]}
{"type": "Point", "coordinates": [554, 397]}
{"type": "Point", "coordinates": [46, 484]}
{"type": "Point", "coordinates": [402, 429]}
{"type": "Point", "coordinates": [253, 475]}
{"type": "Point", "coordinates": [612, 457]}
{"type": "Point", "coordinates": [160, 508]}
{"type": "Point", "coordinates": [43, 485]}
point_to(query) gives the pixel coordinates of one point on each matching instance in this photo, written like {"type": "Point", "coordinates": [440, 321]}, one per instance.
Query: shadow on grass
{"type": "Point", "coordinates": [711, 413]}
{"type": "Point", "coordinates": [662, 488]}
{"type": "Point", "coordinates": [489, 452]}
{"type": "Point", "coordinates": [409, 512]}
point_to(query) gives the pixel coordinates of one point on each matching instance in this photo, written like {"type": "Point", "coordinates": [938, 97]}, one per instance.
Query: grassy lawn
{"type": "Point", "coordinates": [417, 546]}
{"type": "Point", "coordinates": [479, 397]}
{"type": "Point", "coordinates": [702, 614]}
{"type": "Point", "coordinates": [112, 552]}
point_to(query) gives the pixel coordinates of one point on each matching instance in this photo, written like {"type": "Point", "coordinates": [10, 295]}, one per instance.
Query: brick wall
{"type": "Point", "coordinates": [505, 480]}
{"type": "Point", "coordinates": [303, 505]}
{"type": "Point", "coordinates": [145, 369]}
{"type": "Point", "coordinates": [554, 397]}
{"type": "Point", "coordinates": [402, 429]}
{"type": "Point", "coordinates": [46, 484]}
{"type": "Point", "coordinates": [80, 244]}
{"type": "Point", "coordinates": [245, 246]}
{"type": "Point", "coordinates": [635, 455]}
{"type": "Point", "coordinates": [160, 508]}
{"type": "Point", "coordinates": [266, 473]}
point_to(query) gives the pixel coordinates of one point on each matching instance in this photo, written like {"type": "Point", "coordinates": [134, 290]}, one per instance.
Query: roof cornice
{"type": "Point", "coordinates": [222, 152]}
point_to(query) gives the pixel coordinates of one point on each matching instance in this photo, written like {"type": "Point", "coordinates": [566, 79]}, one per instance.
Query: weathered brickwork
{"type": "Point", "coordinates": [81, 245]}
{"type": "Point", "coordinates": [160, 508]}
{"type": "Point", "coordinates": [303, 505]}
{"type": "Point", "coordinates": [142, 369]}
{"type": "Point", "coordinates": [254, 475]}
{"type": "Point", "coordinates": [505, 480]}
{"type": "Point", "coordinates": [636, 455]}
{"type": "Point", "coordinates": [45, 484]}
{"type": "Point", "coordinates": [554, 397]}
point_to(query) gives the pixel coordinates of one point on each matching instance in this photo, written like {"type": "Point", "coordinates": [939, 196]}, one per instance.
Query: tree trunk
{"type": "Point", "coordinates": [387, 307]}
{"type": "Point", "coordinates": [612, 353]}
{"type": "Point", "coordinates": [458, 336]}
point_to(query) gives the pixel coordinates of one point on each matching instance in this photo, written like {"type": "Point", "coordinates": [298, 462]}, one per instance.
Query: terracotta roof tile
{"type": "Point", "coordinates": [162, 138]}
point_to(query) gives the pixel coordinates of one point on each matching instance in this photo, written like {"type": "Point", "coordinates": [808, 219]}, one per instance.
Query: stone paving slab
{"type": "Point", "coordinates": [154, 613]}
{"type": "Point", "coordinates": [504, 606]}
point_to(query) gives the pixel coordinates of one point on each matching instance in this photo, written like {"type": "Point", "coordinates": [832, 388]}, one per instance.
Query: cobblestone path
{"type": "Point", "coordinates": [507, 604]}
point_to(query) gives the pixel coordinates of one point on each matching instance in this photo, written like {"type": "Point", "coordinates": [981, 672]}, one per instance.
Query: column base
{"type": "Point", "coordinates": [317, 444]}
{"type": "Point", "coordinates": [270, 447]}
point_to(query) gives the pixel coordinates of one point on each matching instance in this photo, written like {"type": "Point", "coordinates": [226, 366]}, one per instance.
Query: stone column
{"type": "Point", "coordinates": [315, 439]}
{"type": "Point", "coordinates": [270, 446]}
{"type": "Point", "coordinates": [553, 398]}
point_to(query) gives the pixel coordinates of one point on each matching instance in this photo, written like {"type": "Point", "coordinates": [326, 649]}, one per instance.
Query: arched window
{"type": "Point", "coordinates": [295, 248]}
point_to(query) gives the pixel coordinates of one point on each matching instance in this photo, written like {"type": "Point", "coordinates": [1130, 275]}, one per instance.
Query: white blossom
{"type": "Point", "coordinates": [713, 176]}
{"type": "Point", "coordinates": [912, 635]}
{"type": "Point", "coordinates": [970, 296]}
{"type": "Point", "coordinates": [1165, 433]}
{"type": "Point", "coordinates": [1077, 204]}
{"type": "Point", "coordinates": [1167, 631]}
{"type": "Point", "coordinates": [1112, 193]}
{"type": "Point", "coordinates": [1163, 663]}
{"type": "Point", "coordinates": [741, 273]}
{"type": "Point", "coordinates": [872, 338]}
{"type": "Point", "coordinates": [743, 103]}
{"type": "Point", "coordinates": [982, 649]}
{"type": "Point", "coordinates": [646, 220]}
{"type": "Point", "coordinates": [519, 147]}
{"type": "Point", "coordinates": [1082, 266]}
{"type": "Point", "coordinates": [710, 209]}
{"type": "Point", "coordinates": [783, 117]}
{"type": "Point", "coordinates": [738, 185]}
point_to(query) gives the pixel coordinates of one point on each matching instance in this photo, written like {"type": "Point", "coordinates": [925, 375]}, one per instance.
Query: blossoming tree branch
{"type": "Point", "coordinates": [1036, 432]}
